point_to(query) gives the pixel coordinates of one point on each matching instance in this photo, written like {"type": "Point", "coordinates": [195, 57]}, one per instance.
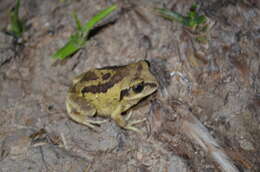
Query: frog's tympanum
{"type": "Point", "coordinates": [108, 92]}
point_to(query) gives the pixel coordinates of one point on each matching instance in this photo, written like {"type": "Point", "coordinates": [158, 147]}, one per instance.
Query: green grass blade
{"type": "Point", "coordinates": [77, 21]}
{"type": "Point", "coordinates": [68, 49]}
{"type": "Point", "coordinates": [170, 15]}
{"type": "Point", "coordinates": [16, 23]}
{"type": "Point", "coordinates": [191, 20]}
{"type": "Point", "coordinates": [201, 19]}
{"type": "Point", "coordinates": [78, 40]}
{"type": "Point", "coordinates": [102, 14]}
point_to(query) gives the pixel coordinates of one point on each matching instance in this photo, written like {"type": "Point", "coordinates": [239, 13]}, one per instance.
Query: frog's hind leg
{"type": "Point", "coordinates": [79, 110]}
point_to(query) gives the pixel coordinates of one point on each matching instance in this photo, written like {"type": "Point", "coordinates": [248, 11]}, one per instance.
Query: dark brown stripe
{"type": "Point", "coordinates": [148, 63]}
{"type": "Point", "coordinates": [152, 85]}
{"type": "Point", "coordinates": [102, 88]}
{"type": "Point", "coordinates": [124, 93]}
{"type": "Point", "coordinates": [106, 76]}
{"type": "Point", "coordinates": [89, 76]}
{"type": "Point", "coordinates": [111, 67]}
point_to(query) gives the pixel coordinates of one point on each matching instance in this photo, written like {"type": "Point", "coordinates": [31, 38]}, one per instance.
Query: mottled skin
{"type": "Point", "coordinates": [108, 92]}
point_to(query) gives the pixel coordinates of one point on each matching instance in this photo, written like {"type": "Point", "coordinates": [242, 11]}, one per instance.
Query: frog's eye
{"type": "Point", "coordinates": [138, 88]}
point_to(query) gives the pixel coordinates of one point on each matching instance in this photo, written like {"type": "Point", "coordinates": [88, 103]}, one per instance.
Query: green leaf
{"type": "Point", "coordinates": [193, 7]}
{"type": "Point", "coordinates": [16, 23]}
{"type": "Point", "coordinates": [191, 20]}
{"type": "Point", "coordinates": [75, 43]}
{"type": "Point", "coordinates": [67, 50]}
{"type": "Point", "coordinates": [102, 14]}
{"type": "Point", "coordinates": [170, 15]}
{"type": "Point", "coordinates": [192, 14]}
{"type": "Point", "coordinates": [77, 21]}
{"type": "Point", "coordinates": [78, 39]}
{"type": "Point", "coordinates": [201, 19]}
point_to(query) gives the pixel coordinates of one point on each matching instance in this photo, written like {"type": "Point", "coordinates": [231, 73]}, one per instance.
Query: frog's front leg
{"type": "Point", "coordinates": [79, 109]}
{"type": "Point", "coordinates": [116, 115]}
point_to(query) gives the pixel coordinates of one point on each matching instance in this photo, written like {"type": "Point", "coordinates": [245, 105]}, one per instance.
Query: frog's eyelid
{"type": "Point", "coordinates": [135, 82]}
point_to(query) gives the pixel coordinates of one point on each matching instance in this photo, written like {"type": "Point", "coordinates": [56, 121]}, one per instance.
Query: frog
{"type": "Point", "coordinates": [109, 92]}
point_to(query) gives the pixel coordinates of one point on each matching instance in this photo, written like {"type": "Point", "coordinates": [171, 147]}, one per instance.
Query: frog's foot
{"type": "Point", "coordinates": [130, 124]}
{"type": "Point", "coordinates": [92, 123]}
{"type": "Point", "coordinates": [125, 123]}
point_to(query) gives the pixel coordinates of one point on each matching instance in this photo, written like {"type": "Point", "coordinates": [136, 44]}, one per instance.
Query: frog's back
{"type": "Point", "coordinates": [103, 91]}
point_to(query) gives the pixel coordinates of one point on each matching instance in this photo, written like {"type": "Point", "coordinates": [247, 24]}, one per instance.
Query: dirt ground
{"type": "Point", "coordinates": [205, 115]}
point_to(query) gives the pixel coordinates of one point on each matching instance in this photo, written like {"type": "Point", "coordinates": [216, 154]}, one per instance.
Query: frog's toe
{"type": "Point", "coordinates": [97, 122]}
{"type": "Point", "coordinates": [88, 124]}
{"type": "Point", "coordinates": [136, 121]}
{"type": "Point", "coordinates": [93, 123]}
{"type": "Point", "coordinates": [130, 125]}
{"type": "Point", "coordinates": [130, 113]}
